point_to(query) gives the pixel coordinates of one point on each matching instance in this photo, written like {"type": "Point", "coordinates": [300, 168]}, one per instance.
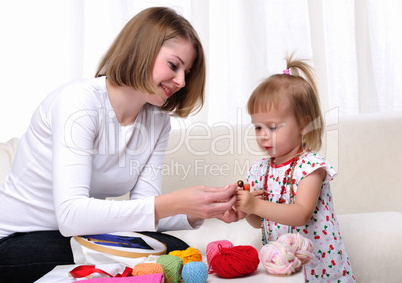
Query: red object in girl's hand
{"type": "Point", "coordinates": [246, 187]}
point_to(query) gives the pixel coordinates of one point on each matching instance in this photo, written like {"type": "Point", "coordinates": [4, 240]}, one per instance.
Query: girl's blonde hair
{"type": "Point", "coordinates": [302, 96]}
{"type": "Point", "coordinates": [130, 59]}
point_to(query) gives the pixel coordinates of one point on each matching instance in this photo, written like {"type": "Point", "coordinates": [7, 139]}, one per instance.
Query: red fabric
{"type": "Point", "coordinates": [149, 278]}
{"type": "Point", "coordinates": [86, 270]}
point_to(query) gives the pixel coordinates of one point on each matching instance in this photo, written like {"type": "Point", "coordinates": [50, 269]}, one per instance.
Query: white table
{"type": "Point", "coordinates": [260, 275]}
{"type": "Point", "coordinates": [60, 275]}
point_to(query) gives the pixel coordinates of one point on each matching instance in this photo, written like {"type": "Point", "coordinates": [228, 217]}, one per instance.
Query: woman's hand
{"type": "Point", "coordinates": [232, 215]}
{"type": "Point", "coordinates": [209, 202]}
{"type": "Point", "coordinates": [197, 202]}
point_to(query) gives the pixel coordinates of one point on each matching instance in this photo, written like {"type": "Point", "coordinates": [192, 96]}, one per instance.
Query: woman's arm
{"type": "Point", "coordinates": [296, 214]}
{"type": "Point", "coordinates": [197, 202]}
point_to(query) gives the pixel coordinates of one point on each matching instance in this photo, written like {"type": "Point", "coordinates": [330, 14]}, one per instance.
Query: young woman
{"type": "Point", "coordinates": [94, 138]}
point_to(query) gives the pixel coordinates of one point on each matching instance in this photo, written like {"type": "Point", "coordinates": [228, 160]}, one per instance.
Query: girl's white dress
{"type": "Point", "coordinates": [331, 263]}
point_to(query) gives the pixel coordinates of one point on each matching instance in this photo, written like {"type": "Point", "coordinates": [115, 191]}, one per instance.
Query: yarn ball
{"type": "Point", "coordinates": [188, 255]}
{"type": "Point", "coordinates": [172, 267]}
{"type": "Point", "coordinates": [195, 272]}
{"type": "Point", "coordinates": [279, 258]}
{"type": "Point", "coordinates": [147, 268]}
{"type": "Point", "coordinates": [302, 247]}
{"type": "Point", "coordinates": [233, 261]}
{"type": "Point", "coordinates": [213, 248]}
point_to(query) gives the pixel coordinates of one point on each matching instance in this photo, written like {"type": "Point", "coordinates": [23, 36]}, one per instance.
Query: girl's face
{"type": "Point", "coordinates": [278, 132]}
{"type": "Point", "coordinates": [174, 60]}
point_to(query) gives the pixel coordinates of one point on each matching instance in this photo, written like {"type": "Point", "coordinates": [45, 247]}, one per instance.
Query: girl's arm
{"type": "Point", "coordinates": [254, 220]}
{"type": "Point", "coordinates": [296, 214]}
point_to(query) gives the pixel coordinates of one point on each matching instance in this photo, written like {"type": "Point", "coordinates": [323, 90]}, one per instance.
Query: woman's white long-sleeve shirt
{"type": "Point", "coordinates": [74, 155]}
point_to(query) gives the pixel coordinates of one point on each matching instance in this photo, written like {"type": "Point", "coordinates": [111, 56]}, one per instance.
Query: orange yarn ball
{"type": "Point", "coordinates": [147, 268]}
{"type": "Point", "coordinates": [188, 255]}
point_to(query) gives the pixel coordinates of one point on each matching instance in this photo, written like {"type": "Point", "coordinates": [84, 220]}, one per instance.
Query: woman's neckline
{"type": "Point", "coordinates": [113, 93]}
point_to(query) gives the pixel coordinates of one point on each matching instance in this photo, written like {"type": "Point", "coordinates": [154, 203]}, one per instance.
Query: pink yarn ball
{"type": "Point", "coordinates": [287, 255]}
{"type": "Point", "coordinates": [279, 258]}
{"type": "Point", "coordinates": [302, 247]}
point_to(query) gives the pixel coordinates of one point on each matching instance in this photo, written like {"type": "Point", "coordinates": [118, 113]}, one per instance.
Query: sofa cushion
{"type": "Point", "coordinates": [373, 243]}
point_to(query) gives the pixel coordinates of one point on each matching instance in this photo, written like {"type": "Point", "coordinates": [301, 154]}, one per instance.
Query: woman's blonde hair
{"type": "Point", "coordinates": [130, 59]}
{"type": "Point", "coordinates": [302, 96]}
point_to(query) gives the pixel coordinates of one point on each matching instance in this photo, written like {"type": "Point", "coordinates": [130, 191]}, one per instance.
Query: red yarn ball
{"type": "Point", "coordinates": [213, 248]}
{"type": "Point", "coordinates": [235, 262]}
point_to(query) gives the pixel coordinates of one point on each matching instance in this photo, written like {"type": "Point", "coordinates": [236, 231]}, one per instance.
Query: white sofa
{"type": "Point", "coordinates": [365, 150]}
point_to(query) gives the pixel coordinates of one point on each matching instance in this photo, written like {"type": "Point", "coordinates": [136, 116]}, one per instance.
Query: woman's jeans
{"type": "Point", "coordinates": [26, 257]}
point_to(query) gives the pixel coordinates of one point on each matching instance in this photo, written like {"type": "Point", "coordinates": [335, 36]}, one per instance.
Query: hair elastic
{"type": "Point", "coordinates": [286, 72]}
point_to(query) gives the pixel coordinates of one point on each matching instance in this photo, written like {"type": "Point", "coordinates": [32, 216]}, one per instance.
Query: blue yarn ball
{"type": "Point", "coordinates": [195, 272]}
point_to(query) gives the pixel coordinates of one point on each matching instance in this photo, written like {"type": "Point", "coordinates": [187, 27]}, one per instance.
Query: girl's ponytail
{"type": "Point", "coordinates": [306, 102]}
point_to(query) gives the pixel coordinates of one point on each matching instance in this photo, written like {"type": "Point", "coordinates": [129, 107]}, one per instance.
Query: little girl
{"type": "Point", "coordinates": [290, 189]}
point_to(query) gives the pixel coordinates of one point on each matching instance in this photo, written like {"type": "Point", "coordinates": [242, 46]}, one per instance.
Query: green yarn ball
{"type": "Point", "coordinates": [172, 267]}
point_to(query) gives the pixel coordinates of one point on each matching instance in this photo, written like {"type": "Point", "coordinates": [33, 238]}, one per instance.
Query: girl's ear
{"type": "Point", "coordinates": [306, 125]}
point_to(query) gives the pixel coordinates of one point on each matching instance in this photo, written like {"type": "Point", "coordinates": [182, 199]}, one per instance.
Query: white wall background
{"type": "Point", "coordinates": [355, 46]}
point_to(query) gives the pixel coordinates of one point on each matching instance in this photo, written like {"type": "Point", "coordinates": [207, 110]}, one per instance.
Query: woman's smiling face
{"type": "Point", "coordinates": [173, 62]}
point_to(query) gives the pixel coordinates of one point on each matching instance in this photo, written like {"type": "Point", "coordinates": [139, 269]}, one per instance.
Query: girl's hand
{"type": "Point", "coordinates": [258, 194]}
{"type": "Point", "coordinates": [245, 200]}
